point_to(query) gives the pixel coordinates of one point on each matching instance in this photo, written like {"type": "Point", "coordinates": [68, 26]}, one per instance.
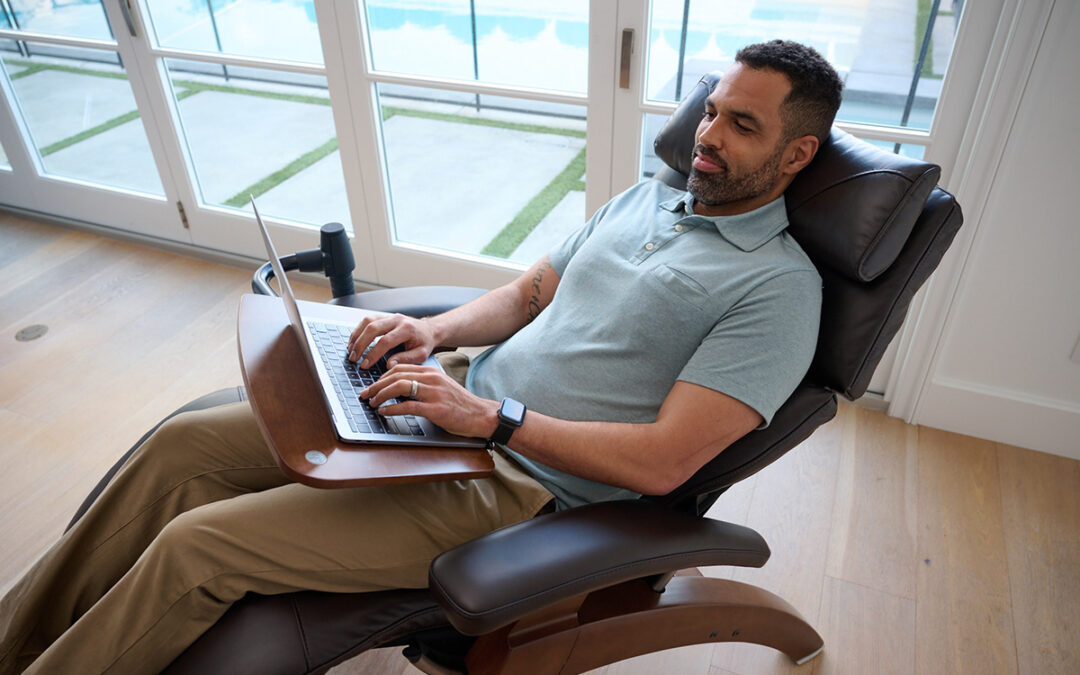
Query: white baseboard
{"type": "Point", "coordinates": [1006, 416]}
{"type": "Point", "coordinates": [872, 400]}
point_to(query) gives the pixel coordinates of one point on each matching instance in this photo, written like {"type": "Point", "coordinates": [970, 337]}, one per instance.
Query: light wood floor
{"type": "Point", "coordinates": [910, 549]}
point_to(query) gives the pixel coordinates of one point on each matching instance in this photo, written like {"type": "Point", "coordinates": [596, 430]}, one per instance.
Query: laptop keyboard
{"type": "Point", "coordinates": [350, 379]}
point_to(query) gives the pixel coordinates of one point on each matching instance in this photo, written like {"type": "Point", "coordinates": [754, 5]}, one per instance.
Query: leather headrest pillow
{"type": "Point", "coordinates": [851, 209]}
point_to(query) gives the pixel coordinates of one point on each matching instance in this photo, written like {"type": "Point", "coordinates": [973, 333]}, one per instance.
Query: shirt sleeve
{"type": "Point", "coordinates": [759, 351]}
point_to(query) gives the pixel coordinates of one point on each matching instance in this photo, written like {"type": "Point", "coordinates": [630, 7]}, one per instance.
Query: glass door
{"type": "Point", "coordinates": [246, 109]}
{"type": "Point", "coordinates": [486, 116]}
{"type": "Point", "coordinates": [75, 143]}
{"type": "Point", "coordinates": [451, 137]}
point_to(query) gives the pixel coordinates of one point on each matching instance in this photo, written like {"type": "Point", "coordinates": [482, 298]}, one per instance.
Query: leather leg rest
{"type": "Point", "coordinates": [306, 632]}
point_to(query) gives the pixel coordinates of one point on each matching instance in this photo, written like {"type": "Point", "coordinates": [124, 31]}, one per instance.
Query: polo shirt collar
{"type": "Point", "coordinates": [747, 231]}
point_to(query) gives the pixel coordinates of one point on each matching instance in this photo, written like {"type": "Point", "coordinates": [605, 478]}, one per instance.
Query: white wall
{"type": "Point", "coordinates": [1002, 369]}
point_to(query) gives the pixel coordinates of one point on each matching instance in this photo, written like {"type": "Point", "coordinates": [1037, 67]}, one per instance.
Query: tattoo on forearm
{"type": "Point", "coordinates": [534, 301]}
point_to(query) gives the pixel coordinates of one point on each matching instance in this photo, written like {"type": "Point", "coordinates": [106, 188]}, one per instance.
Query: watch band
{"type": "Point", "coordinates": [511, 415]}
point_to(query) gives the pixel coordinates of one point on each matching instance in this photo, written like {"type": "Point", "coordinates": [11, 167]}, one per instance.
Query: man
{"type": "Point", "coordinates": [669, 326]}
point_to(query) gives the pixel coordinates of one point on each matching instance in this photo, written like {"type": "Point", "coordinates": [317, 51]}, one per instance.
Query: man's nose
{"type": "Point", "coordinates": [710, 134]}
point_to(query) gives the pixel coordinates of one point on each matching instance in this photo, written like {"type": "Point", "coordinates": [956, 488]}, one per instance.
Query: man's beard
{"type": "Point", "coordinates": [723, 187]}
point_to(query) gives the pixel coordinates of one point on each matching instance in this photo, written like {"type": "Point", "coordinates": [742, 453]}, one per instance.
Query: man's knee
{"type": "Point", "coordinates": [188, 552]}
{"type": "Point", "coordinates": [205, 439]}
{"type": "Point", "coordinates": [165, 450]}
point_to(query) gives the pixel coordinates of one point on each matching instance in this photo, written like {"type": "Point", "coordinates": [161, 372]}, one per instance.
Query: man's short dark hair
{"type": "Point", "coordinates": [811, 106]}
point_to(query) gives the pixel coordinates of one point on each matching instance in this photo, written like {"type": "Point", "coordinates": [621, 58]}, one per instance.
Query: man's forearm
{"type": "Point", "coordinates": [620, 454]}
{"type": "Point", "coordinates": [694, 424]}
{"type": "Point", "coordinates": [489, 319]}
{"type": "Point", "coordinates": [495, 316]}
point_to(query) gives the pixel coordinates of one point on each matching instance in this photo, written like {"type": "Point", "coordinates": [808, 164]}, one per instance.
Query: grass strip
{"type": "Point", "coordinates": [389, 111]}
{"type": "Point", "coordinates": [192, 85]}
{"type": "Point", "coordinates": [511, 236]}
{"type": "Point", "coordinates": [92, 131]}
{"type": "Point", "coordinates": [30, 70]}
{"type": "Point", "coordinates": [283, 174]}
{"type": "Point", "coordinates": [101, 128]}
{"type": "Point", "coordinates": [38, 67]}
{"type": "Point", "coordinates": [922, 19]}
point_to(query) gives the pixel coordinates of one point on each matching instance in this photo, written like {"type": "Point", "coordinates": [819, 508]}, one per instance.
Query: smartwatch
{"type": "Point", "coordinates": [511, 415]}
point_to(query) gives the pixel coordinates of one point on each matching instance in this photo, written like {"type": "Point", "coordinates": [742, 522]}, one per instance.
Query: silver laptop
{"type": "Point", "coordinates": [324, 345]}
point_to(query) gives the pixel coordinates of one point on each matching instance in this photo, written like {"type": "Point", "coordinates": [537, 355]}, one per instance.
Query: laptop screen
{"type": "Point", "coordinates": [287, 296]}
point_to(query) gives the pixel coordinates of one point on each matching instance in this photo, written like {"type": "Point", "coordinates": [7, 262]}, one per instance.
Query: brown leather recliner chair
{"type": "Point", "coordinates": [574, 590]}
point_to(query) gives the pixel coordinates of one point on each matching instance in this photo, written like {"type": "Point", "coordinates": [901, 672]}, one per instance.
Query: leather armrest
{"type": "Point", "coordinates": [418, 301]}
{"type": "Point", "coordinates": [503, 576]}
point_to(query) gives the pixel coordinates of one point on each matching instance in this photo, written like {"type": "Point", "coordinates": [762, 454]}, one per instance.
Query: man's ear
{"type": "Point", "coordinates": [798, 154]}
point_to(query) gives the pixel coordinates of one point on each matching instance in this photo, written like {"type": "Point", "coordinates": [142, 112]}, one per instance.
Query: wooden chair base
{"type": "Point", "coordinates": [631, 619]}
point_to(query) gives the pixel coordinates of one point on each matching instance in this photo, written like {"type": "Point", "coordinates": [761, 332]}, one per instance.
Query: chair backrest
{"type": "Point", "coordinates": [876, 226]}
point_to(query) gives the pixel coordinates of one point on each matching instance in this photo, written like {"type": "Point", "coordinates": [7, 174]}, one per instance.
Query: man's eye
{"type": "Point", "coordinates": [743, 129]}
{"type": "Point", "coordinates": [709, 115]}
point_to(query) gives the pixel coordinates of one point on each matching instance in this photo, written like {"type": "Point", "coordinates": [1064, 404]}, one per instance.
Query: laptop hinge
{"type": "Point", "coordinates": [183, 215]}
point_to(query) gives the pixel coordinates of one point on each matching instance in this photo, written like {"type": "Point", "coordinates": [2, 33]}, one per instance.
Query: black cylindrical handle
{"type": "Point", "coordinates": [338, 261]}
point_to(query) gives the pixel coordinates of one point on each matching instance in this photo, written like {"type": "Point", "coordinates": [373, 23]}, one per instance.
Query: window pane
{"type": "Point", "coordinates": [906, 149]}
{"type": "Point", "coordinates": [874, 44]}
{"type": "Point", "coordinates": [542, 46]}
{"type": "Point", "coordinates": [70, 19]}
{"type": "Point", "coordinates": [83, 121]}
{"type": "Point", "coordinates": [275, 29]}
{"type": "Point", "coordinates": [497, 181]}
{"type": "Point", "coordinates": [650, 127]}
{"type": "Point", "coordinates": [266, 137]}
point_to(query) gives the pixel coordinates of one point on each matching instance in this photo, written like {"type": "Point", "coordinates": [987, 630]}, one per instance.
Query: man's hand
{"type": "Point", "coordinates": [438, 398]}
{"type": "Point", "coordinates": [417, 336]}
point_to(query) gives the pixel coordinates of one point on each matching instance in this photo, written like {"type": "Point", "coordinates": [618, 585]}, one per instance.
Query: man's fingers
{"type": "Point", "coordinates": [409, 357]}
{"type": "Point", "coordinates": [403, 408]}
{"type": "Point", "coordinates": [362, 337]}
{"type": "Point", "coordinates": [386, 341]}
{"type": "Point", "coordinates": [360, 327]}
{"type": "Point", "coordinates": [401, 389]}
{"type": "Point", "coordinates": [398, 383]}
{"type": "Point", "coordinates": [408, 368]}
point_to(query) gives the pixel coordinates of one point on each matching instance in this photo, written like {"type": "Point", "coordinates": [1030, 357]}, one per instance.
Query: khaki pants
{"type": "Point", "coordinates": [199, 516]}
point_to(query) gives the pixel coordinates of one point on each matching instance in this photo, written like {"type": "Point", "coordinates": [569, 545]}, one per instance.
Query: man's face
{"type": "Point", "coordinates": [739, 143]}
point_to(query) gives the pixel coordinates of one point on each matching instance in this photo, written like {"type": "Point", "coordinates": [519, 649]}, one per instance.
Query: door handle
{"type": "Point", "coordinates": [129, 19]}
{"type": "Point", "coordinates": [624, 62]}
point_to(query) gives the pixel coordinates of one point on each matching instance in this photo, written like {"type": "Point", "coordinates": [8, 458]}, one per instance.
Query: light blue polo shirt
{"type": "Point", "coordinates": [650, 294]}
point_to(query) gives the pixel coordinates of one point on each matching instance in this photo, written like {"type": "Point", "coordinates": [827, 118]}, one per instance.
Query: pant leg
{"type": "Point", "coordinates": [288, 538]}
{"type": "Point", "coordinates": [252, 533]}
{"type": "Point", "coordinates": [193, 459]}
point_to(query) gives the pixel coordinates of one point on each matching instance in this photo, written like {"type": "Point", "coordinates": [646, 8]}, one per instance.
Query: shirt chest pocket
{"type": "Point", "coordinates": [672, 283]}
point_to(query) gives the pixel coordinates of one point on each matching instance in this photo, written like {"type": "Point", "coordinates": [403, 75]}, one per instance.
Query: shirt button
{"type": "Point", "coordinates": [679, 228]}
{"type": "Point", "coordinates": [650, 246]}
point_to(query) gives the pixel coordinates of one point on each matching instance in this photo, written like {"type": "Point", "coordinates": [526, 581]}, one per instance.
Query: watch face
{"type": "Point", "coordinates": [512, 410]}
